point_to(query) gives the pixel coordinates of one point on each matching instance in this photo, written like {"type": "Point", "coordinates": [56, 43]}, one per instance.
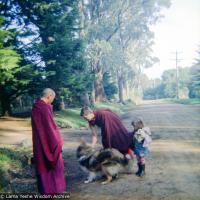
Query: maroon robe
{"type": "Point", "coordinates": [113, 132]}
{"type": "Point", "coordinates": [47, 148]}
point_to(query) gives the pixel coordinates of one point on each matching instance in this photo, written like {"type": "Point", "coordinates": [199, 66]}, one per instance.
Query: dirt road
{"type": "Point", "coordinates": [172, 169]}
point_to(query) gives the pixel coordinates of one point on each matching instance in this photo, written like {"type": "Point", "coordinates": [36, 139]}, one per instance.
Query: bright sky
{"type": "Point", "coordinates": [178, 30]}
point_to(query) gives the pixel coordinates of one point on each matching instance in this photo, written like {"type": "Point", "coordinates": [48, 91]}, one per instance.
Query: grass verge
{"type": "Point", "coordinates": [9, 159]}
{"type": "Point", "coordinates": [70, 118]}
{"type": "Point", "coordinates": [186, 101]}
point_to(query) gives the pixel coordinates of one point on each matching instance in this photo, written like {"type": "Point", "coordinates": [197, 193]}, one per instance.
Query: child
{"type": "Point", "coordinates": [141, 143]}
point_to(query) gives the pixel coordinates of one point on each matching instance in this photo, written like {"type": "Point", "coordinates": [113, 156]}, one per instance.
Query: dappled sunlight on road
{"type": "Point", "coordinates": [14, 130]}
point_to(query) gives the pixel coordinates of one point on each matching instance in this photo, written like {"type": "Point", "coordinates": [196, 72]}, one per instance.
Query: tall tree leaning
{"type": "Point", "coordinates": [99, 30]}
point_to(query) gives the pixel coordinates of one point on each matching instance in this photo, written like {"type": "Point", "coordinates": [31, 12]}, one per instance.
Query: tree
{"type": "Point", "coordinates": [73, 44]}
{"type": "Point", "coordinates": [166, 87]}
{"type": "Point", "coordinates": [132, 43]}
{"type": "Point", "coordinates": [99, 29]}
{"type": "Point", "coordinates": [55, 46]}
{"type": "Point", "coordinates": [156, 92]}
{"type": "Point", "coordinates": [119, 39]}
{"type": "Point", "coordinates": [109, 86]}
{"type": "Point", "coordinates": [169, 82]}
{"type": "Point", "coordinates": [194, 83]}
{"type": "Point", "coordinates": [13, 76]}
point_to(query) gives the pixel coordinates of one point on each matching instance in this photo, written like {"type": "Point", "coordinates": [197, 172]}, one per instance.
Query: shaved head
{"type": "Point", "coordinates": [47, 91]}
{"type": "Point", "coordinates": [48, 95]}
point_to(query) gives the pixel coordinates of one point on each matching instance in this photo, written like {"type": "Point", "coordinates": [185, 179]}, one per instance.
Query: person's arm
{"type": "Point", "coordinates": [94, 135]}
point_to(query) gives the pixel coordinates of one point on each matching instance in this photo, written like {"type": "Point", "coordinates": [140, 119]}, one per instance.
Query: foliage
{"type": "Point", "coordinates": [109, 87]}
{"type": "Point", "coordinates": [192, 101]}
{"type": "Point", "coordinates": [166, 87]}
{"type": "Point", "coordinates": [14, 75]}
{"type": "Point", "coordinates": [119, 39]}
{"type": "Point", "coordinates": [8, 159]}
{"type": "Point", "coordinates": [154, 93]}
{"type": "Point", "coordinates": [70, 118]}
{"type": "Point", "coordinates": [115, 107]}
{"type": "Point", "coordinates": [48, 38]}
{"type": "Point", "coordinates": [194, 84]}
{"type": "Point", "coordinates": [9, 58]}
{"type": "Point", "coordinates": [69, 45]}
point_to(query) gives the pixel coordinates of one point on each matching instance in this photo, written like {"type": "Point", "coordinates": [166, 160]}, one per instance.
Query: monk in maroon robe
{"type": "Point", "coordinates": [47, 146]}
{"type": "Point", "coordinates": [113, 132]}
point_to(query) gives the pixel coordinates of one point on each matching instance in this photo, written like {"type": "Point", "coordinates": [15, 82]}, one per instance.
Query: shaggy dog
{"type": "Point", "coordinates": [105, 162]}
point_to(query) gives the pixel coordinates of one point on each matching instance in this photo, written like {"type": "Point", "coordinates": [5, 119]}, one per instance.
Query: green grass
{"type": "Point", "coordinates": [115, 107]}
{"type": "Point", "coordinates": [186, 101]}
{"type": "Point", "coordinates": [70, 118]}
{"type": "Point", "coordinates": [9, 158]}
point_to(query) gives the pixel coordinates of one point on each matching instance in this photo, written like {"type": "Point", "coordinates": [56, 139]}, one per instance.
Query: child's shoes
{"type": "Point", "coordinates": [141, 170]}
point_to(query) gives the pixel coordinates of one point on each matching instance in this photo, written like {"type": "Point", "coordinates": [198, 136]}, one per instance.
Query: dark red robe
{"type": "Point", "coordinates": [113, 132]}
{"type": "Point", "coordinates": [47, 148]}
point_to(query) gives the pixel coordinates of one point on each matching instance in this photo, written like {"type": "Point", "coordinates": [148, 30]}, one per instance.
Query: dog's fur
{"type": "Point", "coordinates": [105, 162]}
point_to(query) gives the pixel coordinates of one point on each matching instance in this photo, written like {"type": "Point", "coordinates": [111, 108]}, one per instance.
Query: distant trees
{"type": "Point", "coordinates": [154, 90]}
{"type": "Point", "coordinates": [189, 83]}
{"type": "Point", "coordinates": [109, 85]}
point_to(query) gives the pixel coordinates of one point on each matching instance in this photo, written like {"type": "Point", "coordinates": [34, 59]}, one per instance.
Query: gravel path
{"type": "Point", "coordinates": [172, 169]}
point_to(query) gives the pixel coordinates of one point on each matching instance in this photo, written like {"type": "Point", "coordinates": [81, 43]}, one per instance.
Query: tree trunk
{"type": "Point", "coordinates": [98, 86]}
{"type": "Point", "coordinates": [85, 99]}
{"type": "Point", "coordinates": [5, 104]}
{"type": "Point", "coordinates": [92, 98]}
{"type": "Point", "coordinates": [62, 105]}
{"type": "Point", "coordinates": [120, 87]}
{"type": "Point", "coordinates": [128, 91]}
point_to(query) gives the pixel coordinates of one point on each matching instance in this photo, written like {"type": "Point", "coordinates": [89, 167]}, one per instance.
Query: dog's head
{"type": "Point", "coordinates": [83, 150]}
{"type": "Point", "coordinates": [83, 154]}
